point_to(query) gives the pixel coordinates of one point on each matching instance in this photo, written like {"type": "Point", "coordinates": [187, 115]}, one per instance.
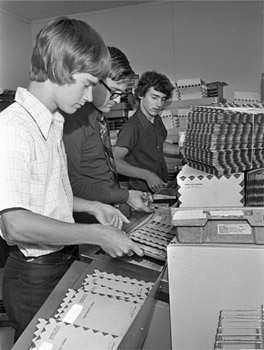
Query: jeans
{"type": "Point", "coordinates": [25, 288]}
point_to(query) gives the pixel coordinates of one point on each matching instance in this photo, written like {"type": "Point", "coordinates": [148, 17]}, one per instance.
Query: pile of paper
{"type": "Point", "coordinates": [96, 316]}
{"type": "Point", "coordinates": [242, 97]}
{"type": "Point", "coordinates": [191, 88]}
{"type": "Point", "coordinates": [215, 89]}
{"type": "Point", "coordinates": [224, 140]}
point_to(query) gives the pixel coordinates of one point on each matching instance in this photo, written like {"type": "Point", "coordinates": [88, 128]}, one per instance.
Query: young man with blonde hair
{"type": "Point", "coordinates": [36, 202]}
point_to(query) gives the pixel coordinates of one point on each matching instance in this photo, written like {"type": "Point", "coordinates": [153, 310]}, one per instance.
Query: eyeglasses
{"type": "Point", "coordinates": [114, 94]}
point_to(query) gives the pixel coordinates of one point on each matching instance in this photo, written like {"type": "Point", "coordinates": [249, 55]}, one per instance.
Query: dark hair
{"type": "Point", "coordinates": [120, 66]}
{"type": "Point", "coordinates": [156, 80]}
{"type": "Point", "coordinates": [65, 47]}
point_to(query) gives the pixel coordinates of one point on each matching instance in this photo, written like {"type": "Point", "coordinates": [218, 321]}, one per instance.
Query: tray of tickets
{"type": "Point", "coordinates": [219, 225]}
{"type": "Point", "coordinates": [155, 233]}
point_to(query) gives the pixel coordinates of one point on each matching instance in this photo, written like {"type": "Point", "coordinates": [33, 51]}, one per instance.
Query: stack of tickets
{"type": "Point", "coordinates": [155, 233]}
{"type": "Point", "coordinates": [224, 140]}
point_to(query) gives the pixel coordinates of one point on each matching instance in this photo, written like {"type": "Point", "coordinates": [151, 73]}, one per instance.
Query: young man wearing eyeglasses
{"type": "Point", "coordinates": [91, 171]}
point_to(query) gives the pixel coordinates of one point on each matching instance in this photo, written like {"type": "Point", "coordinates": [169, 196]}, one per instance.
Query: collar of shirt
{"type": "Point", "coordinates": [39, 112]}
{"type": "Point", "coordinates": [144, 120]}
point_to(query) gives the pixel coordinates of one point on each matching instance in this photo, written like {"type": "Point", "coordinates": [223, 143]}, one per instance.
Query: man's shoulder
{"type": "Point", "coordinates": [16, 115]}
{"type": "Point", "coordinates": [133, 120]}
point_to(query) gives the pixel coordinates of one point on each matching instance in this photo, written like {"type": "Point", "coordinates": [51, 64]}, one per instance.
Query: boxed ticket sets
{"type": "Point", "coordinates": [219, 225]}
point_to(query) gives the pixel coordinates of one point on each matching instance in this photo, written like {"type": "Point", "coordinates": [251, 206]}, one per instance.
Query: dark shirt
{"type": "Point", "coordinates": [144, 141]}
{"type": "Point", "coordinates": [89, 173]}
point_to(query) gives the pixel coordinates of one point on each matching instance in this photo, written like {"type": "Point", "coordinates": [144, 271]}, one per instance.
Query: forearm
{"type": "Point", "coordinates": [24, 226]}
{"type": "Point", "coordinates": [84, 205]}
{"type": "Point", "coordinates": [104, 194]}
{"type": "Point", "coordinates": [129, 170]}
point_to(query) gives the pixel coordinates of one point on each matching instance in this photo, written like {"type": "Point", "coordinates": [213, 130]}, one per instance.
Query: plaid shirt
{"type": "Point", "coordinates": [33, 172]}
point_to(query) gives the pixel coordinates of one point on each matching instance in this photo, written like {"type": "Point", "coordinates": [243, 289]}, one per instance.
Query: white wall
{"type": "Point", "coordinates": [147, 43]}
{"type": "Point", "coordinates": [220, 40]}
{"type": "Point", "coordinates": [15, 51]}
{"type": "Point", "coordinates": [214, 40]}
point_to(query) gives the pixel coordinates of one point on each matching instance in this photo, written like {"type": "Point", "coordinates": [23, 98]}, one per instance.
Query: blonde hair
{"type": "Point", "coordinates": [65, 47]}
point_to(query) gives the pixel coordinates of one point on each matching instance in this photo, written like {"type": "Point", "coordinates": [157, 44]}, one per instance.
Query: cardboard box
{"type": "Point", "coordinates": [199, 189]}
{"type": "Point", "coordinates": [207, 278]}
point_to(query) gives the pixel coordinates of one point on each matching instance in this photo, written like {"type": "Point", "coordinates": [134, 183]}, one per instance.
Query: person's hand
{"type": "Point", "coordinates": [109, 215]}
{"type": "Point", "coordinates": [155, 183]}
{"type": "Point", "coordinates": [116, 243]}
{"type": "Point", "coordinates": [139, 201]}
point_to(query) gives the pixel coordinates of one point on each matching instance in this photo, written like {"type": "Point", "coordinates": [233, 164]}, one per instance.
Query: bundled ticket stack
{"type": "Point", "coordinates": [224, 140]}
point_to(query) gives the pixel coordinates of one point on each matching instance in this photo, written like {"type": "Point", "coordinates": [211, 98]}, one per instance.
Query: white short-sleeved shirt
{"type": "Point", "coordinates": [33, 171]}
